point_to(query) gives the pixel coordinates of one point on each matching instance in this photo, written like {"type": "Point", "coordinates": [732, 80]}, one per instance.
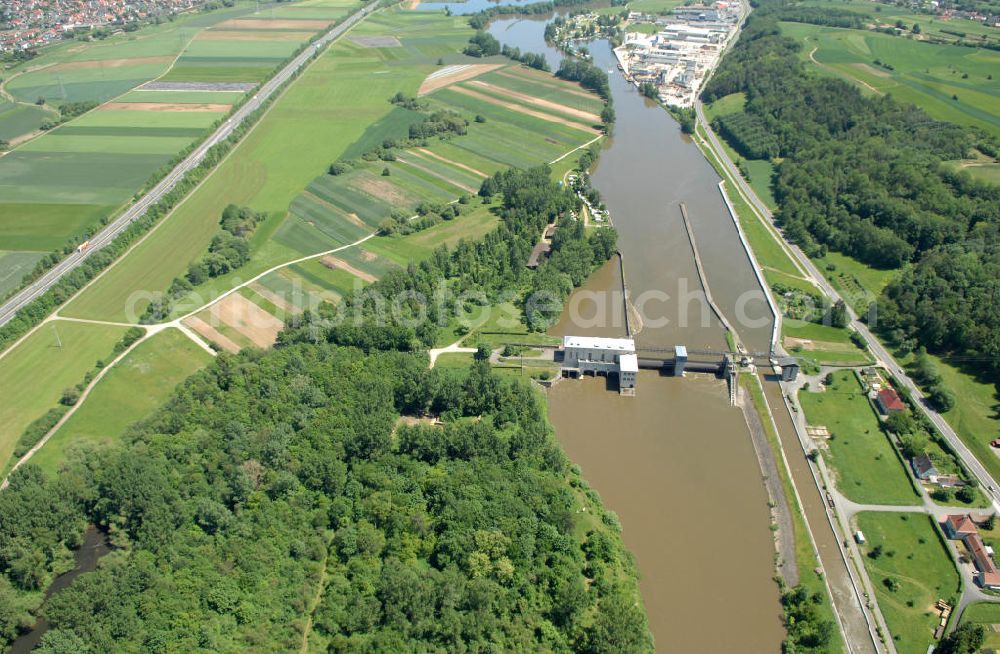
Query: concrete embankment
{"type": "Point", "coordinates": [702, 277]}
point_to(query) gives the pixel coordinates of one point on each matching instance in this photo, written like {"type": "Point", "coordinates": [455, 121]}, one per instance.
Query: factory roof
{"type": "Point", "coordinates": [598, 343]}
{"type": "Point", "coordinates": [628, 363]}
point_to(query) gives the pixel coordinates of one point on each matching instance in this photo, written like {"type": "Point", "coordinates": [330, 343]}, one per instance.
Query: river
{"type": "Point", "coordinates": [95, 545]}
{"type": "Point", "coordinates": [675, 462]}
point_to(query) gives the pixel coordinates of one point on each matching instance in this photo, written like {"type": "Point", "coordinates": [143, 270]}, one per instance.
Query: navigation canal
{"type": "Point", "coordinates": [675, 462]}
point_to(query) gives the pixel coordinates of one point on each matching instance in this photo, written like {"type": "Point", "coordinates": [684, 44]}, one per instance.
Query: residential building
{"type": "Point", "coordinates": [958, 526]}
{"type": "Point", "coordinates": [923, 468]}
{"type": "Point", "coordinates": [887, 400]}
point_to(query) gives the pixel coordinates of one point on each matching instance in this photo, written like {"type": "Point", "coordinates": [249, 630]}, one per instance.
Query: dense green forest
{"type": "Point", "coordinates": [866, 176]}
{"type": "Point", "coordinates": [268, 467]}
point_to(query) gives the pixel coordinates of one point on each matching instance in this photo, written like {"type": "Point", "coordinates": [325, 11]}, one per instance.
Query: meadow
{"type": "Point", "coordinates": [950, 82]}
{"type": "Point", "coordinates": [867, 468]}
{"type": "Point", "coordinates": [139, 383]}
{"type": "Point", "coordinates": [34, 374]}
{"type": "Point", "coordinates": [910, 571]}
{"type": "Point", "coordinates": [340, 108]}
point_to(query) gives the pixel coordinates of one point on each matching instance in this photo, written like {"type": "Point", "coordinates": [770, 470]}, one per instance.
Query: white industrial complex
{"type": "Point", "coordinates": [678, 57]}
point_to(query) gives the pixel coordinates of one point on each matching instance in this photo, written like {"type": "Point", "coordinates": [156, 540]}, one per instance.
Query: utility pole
{"type": "Point", "coordinates": [55, 330]}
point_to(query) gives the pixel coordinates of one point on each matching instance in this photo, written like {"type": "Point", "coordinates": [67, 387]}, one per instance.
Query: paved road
{"type": "Point", "coordinates": [989, 485]}
{"type": "Point", "coordinates": [10, 308]}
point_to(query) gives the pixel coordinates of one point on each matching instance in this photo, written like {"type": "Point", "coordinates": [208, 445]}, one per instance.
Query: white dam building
{"type": "Point", "coordinates": [601, 356]}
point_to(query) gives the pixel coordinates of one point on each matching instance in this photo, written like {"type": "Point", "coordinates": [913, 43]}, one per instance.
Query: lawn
{"type": "Point", "coordinates": [131, 390]}
{"type": "Point", "coordinates": [912, 571]}
{"type": "Point", "coordinates": [866, 465]}
{"type": "Point", "coordinates": [858, 283]}
{"type": "Point", "coordinates": [975, 414]}
{"type": "Point", "coordinates": [34, 374]}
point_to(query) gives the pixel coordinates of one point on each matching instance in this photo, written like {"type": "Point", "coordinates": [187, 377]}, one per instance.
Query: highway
{"type": "Point", "coordinates": [138, 209]}
{"type": "Point", "coordinates": [986, 481]}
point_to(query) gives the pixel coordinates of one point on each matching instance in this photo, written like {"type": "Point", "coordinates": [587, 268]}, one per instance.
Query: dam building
{"type": "Point", "coordinates": [584, 355]}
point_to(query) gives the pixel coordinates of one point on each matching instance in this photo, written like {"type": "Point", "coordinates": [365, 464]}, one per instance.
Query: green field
{"type": "Point", "coordinates": [913, 571]}
{"type": "Point", "coordinates": [13, 267]}
{"type": "Point", "coordinates": [926, 74]}
{"type": "Point", "coordinates": [339, 107]}
{"type": "Point", "coordinates": [130, 391]}
{"type": "Point", "coordinates": [35, 374]}
{"type": "Point", "coordinates": [17, 119]}
{"type": "Point", "coordinates": [867, 467]}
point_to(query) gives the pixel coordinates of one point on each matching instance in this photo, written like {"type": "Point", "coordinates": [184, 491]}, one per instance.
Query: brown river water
{"type": "Point", "coordinates": [675, 462]}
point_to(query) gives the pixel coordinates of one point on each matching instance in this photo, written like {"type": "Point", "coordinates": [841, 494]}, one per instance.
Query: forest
{"type": "Point", "coordinates": [866, 176]}
{"type": "Point", "coordinates": [269, 479]}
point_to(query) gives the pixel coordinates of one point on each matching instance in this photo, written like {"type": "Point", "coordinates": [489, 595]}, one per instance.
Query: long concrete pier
{"type": "Point", "coordinates": [703, 278]}
{"type": "Point", "coordinates": [621, 273]}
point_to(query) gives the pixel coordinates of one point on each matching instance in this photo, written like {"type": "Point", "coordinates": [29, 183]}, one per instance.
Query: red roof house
{"type": "Point", "coordinates": [888, 401]}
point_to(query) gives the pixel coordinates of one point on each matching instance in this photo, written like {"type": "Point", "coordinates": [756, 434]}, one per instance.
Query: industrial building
{"type": "Point", "coordinates": [601, 356]}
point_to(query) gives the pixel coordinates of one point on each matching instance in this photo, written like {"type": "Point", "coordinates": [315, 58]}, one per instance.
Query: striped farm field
{"type": "Point", "coordinates": [57, 187]}
{"type": "Point", "coordinates": [339, 109]}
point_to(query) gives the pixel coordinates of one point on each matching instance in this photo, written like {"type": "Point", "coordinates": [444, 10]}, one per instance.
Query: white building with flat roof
{"type": "Point", "coordinates": [601, 356]}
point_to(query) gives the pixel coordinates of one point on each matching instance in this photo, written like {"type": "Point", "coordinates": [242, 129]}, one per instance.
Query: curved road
{"type": "Point", "coordinates": [10, 308]}
{"type": "Point", "coordinates": [989, 485]}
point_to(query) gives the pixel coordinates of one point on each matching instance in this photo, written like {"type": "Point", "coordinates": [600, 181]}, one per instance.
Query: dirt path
{"type": "Point", "coordinates": [334, 263]}
{"type": "Point", "coordinates": [524, 110]}
{"type": "Point", "coordinates": [839, 74]}
{"type": "Point", "coordinates": [538, 102]}
{"type": "Point", "coordinates": [423, 151]}
{"type": "Point", "coordinates": [452, 75]}
{"type": "Point", "coordinates": [69, 414]}
{"type": "Point", "coordinates": [213, 335]}
{"type": "Point", "coordinates": [317, 596]}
